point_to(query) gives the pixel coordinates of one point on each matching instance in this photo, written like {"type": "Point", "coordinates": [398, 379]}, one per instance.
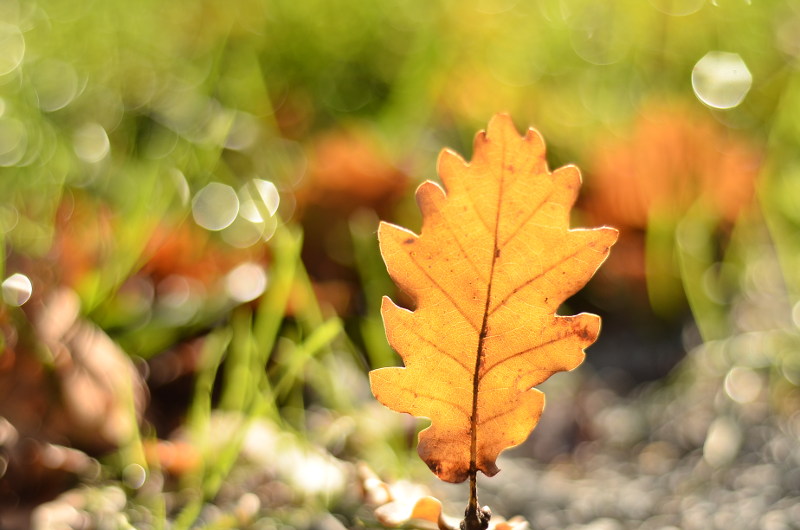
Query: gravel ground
{"type": "Point", "coordinates": [705, 453]}
{"type": "Point", "coordinates": [715, 445]}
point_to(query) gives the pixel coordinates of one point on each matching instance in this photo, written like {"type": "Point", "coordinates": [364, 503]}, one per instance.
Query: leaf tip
{"type": "Point", "coordinates": [449, 166]}
{"type": "Point", "coordinates": [429, 196]}
{"type": "Point", "coordinates": [448, 157]}
{"type": "Point", "coordinates": [382, 227]}
{"type": "Point", "coordinates": [500, 128]}
{"type": "Point", "coordinates": [611, 235]}
{"type": "Point", "coordinates": [501, 123]}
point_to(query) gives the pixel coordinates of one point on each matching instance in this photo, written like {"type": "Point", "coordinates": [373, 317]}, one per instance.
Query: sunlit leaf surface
{"type": "Point", "coordinates": [494, 260]}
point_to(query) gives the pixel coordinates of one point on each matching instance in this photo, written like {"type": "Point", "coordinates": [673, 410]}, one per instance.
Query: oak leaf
{"type": "Point", "coordinates": [494, 260]}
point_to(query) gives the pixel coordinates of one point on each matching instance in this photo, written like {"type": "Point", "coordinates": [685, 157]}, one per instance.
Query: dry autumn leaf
{"type": "Point", "coordinates": [494, 260]}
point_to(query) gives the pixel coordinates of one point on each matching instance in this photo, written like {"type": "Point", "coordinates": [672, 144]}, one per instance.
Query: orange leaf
{"type": "Point", "coordinates": [493, 262]}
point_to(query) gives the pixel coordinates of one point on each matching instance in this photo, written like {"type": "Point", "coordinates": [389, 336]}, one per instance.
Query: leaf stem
{"type": "Point", "coordinates": [475, 518]}
{"type": "Point", "coordinates": [472, 507]}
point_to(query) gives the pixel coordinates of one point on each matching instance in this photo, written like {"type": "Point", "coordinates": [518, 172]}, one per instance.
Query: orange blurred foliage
{"type": "Point", "coordinates": [86, 239]}
{"type": "Point", "coordinates": [348, 170]}
{"type": "Point", "coordinates": [675, 157]}
{"type": "Point", "coordinates": [185, 249]}
{"type": "Point", "coordinates": [176, 457]}
{"type": "Point", "coordinates": [83, 239]}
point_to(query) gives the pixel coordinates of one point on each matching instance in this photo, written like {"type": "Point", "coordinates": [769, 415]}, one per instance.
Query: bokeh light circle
{"type": "Point", "coordinates": [246, 282]}
{"type": "Point", "coordinates": [17, 289]}
{"type": "Point", "coordinates": [260, 196]}
{"type": "Point", "coordinates": [13, 141]}
{"type": "Point", "coordinates": [91, 143]}
{"type": "Point", "coordinates": [181, 186]}
{"type": "Point", "coordinates": [215, 206]}
{"type": "Point", "coordinates": [56, 83]}
{"type": "Point", "coordinates": [242, 233]}
{"type": "Point", "coordinates": [243, 132]}
{"type": "Point", "coordinates": [742, 384]}
{"type": "Point", "coordinates": [12, 48]}
{"type": "Point", "coordinates": [721, 79]}
{"type": "Point", "coordinates": [134, 476]}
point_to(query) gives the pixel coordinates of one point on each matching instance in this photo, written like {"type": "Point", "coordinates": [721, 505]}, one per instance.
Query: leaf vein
{"type": "Point", "coordinates": [464, 252]}
{"type": "Point", "coordinates": [441, 350]}
{"type": "Point", "coordinates": [528, 218]}
{"type": "Point", "coordinates": [509, 410]}
{"type": "Point", "coordinates": [456, 405]}
{"type": "Point", "coordinates": [533, 279]}
{"type": "Point", "coordinates": [452, 300]}
{"type": "Point", "coordinates": [523, 352]}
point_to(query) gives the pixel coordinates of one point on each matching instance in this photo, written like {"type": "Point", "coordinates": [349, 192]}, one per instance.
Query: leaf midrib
{"type": "Point", "coordinates": [473, 450]}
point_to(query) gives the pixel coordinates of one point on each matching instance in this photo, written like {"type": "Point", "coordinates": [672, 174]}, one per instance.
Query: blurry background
{"type": "Point", "coordinates": [190, 193]}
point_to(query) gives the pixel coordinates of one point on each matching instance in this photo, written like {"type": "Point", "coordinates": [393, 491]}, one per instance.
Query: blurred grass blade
{"type": "Point", "coordinates": [375, 283]}
{"type": "Point", "coordinates": [663, 282]}
{"type": "Point", "coordinates": [302, 354]}
{"type": "Point", "coordinates": [695, 249]}
{"type": "Point", "coordinates": [286, 245]}
{"type": "Point", "coordinates": [239, 386]}
{"type": "Point", "coordinates": [199, 418]}
{"type": "Point", "coordinates": [213, 352]}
